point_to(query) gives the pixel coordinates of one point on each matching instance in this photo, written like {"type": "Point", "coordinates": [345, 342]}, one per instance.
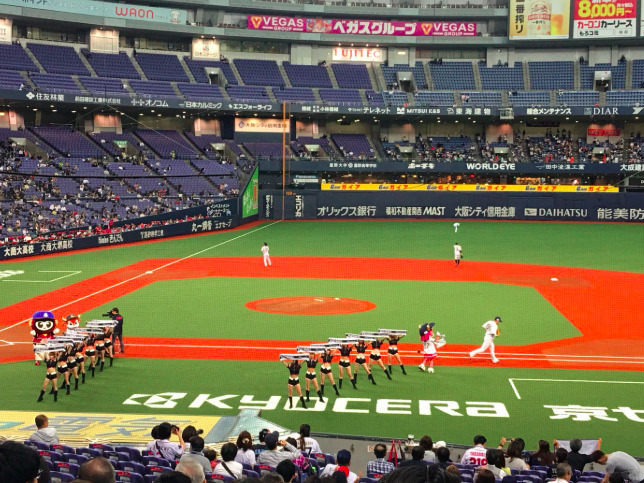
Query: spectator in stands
{"type": "Point", "coordinates": [193, 470]}
{"type": "Point", "coordinates": [190, 432]}
{"type": "Point", "coordinates": [477, 454]}
{"type": "Point", "coordinates": [380, 465]}
{"type": "Point", "coordinates": [563, 473]}
{"type": "Point", "coordinates": [543, 456]}
{"type": "Point", "coordinates": [305, 442]}
{"type": "Point", "coordinates": [417, 474]}
{"type": "Point", "coordinates": [44, 433]}
{"type": "Point", "coordinates": [621, 463]}
{"type": "Point", "coordinates": [417, 455]}
{"type": "Point", "coordinates": [261, 446]}
{"type": "Point", "coordinates": [287, 470]}
{"type": "Point", "coordinates": [484, 476]}
{"type": "Point", "coordinates": [271, 478]}
{"type": "Point", "coordinates": [301, 461]}
{"type": "Point", "coordinates": [18, 463]}
{"type": "Point", "coordinates": [164, 448]}
{"type": "Point", "coordinates": [172, 477]}
{"type": "Point", "coordinates": [576, 459]}
{"type": "Point", "coordinates": [343, 459]}
{"type": "Point", "coordinates": [272, 456]}
{"type": "Point", "coordinates": [515, 459]}
{"type": "Point", "coordinates": [245, 453]}
{"type": "Point", "coordinates": [229, 467]}
{"type": "Point", "coordinates": [427, 444]}
{"type": "Point", "coordinates": [97, 470]}
{"type": "Point", "coordinates": [443, 456]}
{"type": "Point", "coordinates": [496, 463]}
{"type": "Point", "coordinates": [211, 455]}
{"type": "Point", "coordinates": [196, 453]}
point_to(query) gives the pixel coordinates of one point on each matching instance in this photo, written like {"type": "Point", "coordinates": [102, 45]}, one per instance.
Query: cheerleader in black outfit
{"type": "Point", "coordinates": [80, 360]}
{"type": "Point", "coordinates": [374, 356]}
{"type": "Point", "coordinates": [294, 381]}
{"type": "Point", "coordinates": [100, 350]}
{"type": "Point", "coordinates": [311, 362]}
{"type": "Point", "coordinates": [109, 348]}
{"type": "Point", "coordinates": [50, 377]}
{"type": "Point", "coordinates": [90, 351]}
{"type": "Point", "coordinates": [72, 365]}
{"type": "Point", "coordinates": [345, 363]}
{"type": "Point", "coordinates": [63, 370]}
{"type": "Point", "coordinates": [361, 360]}
{"type": "Point", "coordinates": [392, 350]}
{"type": "Point", "coordinates": [327, 357]}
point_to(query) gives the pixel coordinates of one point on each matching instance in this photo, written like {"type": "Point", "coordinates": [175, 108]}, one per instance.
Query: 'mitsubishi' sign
{"type": "Point", "coordinates": [362, 27]}
{"type": "Point", "coordinates": [604, 18]}
{"type": "Point", "coordinates": [357, 55]}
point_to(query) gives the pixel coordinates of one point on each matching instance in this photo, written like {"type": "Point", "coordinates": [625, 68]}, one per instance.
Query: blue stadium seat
{"type": "Point", "coordinates": [77, 459]}
{"type": "Point", "coordinates": [129, 477]}
{"type": "Point", "coordinates": [64, 467]}
{"type": "Point", "coordinates": [62, 477]}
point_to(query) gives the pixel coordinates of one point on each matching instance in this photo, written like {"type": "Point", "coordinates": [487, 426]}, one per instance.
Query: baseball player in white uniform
{"type": "Point", "coordinates": [267, 257]}
{"type": "Point", "coordinates": [491, 331]}
{"type": "Point", "coordinates": [458, 253]}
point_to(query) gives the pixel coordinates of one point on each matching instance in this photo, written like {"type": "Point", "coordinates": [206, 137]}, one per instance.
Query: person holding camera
{"type": "Point", "coordinates": [117, 331]}
{"type": "Point", "coordinates": [163, 448]}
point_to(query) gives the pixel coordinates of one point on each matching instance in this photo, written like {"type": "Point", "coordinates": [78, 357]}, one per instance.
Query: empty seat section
{"type": "Point", "coordinates": [56, 83]}
{"type": "Point", "coordinates": [200, 91]}
{"type": "Point", "coordinates": [551, 75]}
{"type": "Point", "coordinates": [58, 59]}
{"type": "Point", "coordinates": [352, 76]}
{"type": "Point", "coordinates": [345, 96]}
{"type": "Point", "coordinates": [301, 94]}
{"type": "Point", "coordinates": [502, 77]}
{"type": "Point", "coordinates": [111, 65]}
{"type": "Point", "coordinates": [151, 88]}
{"type": "Point", "coordinates": [162, 67]}
{"type": "Point", "coordinates": [307, 75]}
{"type": "Point", "coordinates": [453, 76]}
{"type": "Point", "coordinates": [198, 70]}
{"type": "Point", "coordinates": [390, 73]}
{"type": "Point", "coordinates": [14, 57]}
{"type": "Point", "coordinates": [259, 72]}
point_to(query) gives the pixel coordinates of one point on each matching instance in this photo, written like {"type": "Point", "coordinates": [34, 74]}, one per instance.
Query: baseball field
{"type": "Point", "coordinates": [205, 323]}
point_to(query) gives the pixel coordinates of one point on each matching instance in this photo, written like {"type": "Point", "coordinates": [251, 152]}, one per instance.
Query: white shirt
{"type": "Point", "coordinates": [235, 468]}
{"type": "Point", "coordinates": [475, 456]}
{"type": "Point", "coordinates": [247, 457]}
{"type": "Point", "coordinates": [490, 328]}
{"type": "Point", "coordinates": [457, 251]}
{"type": "Point", "coordinates": [429, 347]}
{"type": "Point", "coordinates": [265, 250]}
{"type": "Point", "coordinates": [311, 445]}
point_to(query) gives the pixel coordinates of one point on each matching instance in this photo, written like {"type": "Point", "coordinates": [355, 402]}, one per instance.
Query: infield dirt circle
{"type": "Point", "coordinates": [310, 305]}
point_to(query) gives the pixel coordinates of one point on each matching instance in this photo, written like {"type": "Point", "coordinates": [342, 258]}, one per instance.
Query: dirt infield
{"type": "Point", "coordinates": [596, 302]}
{"type": "Point", "coordinates": [310, 305]}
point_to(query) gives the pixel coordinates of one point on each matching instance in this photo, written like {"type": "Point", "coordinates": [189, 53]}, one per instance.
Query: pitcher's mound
{"type": "Point", "coordinates": [310, 305]}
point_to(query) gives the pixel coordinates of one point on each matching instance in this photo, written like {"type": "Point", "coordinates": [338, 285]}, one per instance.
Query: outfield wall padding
{"type": "Point", "coordinates": [309, 204]}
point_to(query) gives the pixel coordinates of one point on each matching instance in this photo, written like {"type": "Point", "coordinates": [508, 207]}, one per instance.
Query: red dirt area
{"type": "Point", "coordinates": [310, 305]}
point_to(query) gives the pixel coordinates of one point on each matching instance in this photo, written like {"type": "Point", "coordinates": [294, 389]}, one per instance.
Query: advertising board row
{"type": "Point", "coordinates": [591, 19]}
{"type": "Point", "coordinates": [448, 188]}
{"type": "Point", "coordinates": [613, 207]}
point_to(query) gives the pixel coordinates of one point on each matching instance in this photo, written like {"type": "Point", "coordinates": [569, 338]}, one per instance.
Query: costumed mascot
{"type": "Point", "coordinates": [71, 321]}
{"type": "Point", "coordinates": [43, 327]}
{"type": "Point", "coordinates": [430, 344]}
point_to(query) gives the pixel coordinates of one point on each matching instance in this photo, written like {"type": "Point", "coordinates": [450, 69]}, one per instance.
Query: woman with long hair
{"type": "Point", "coordinates": [392, 352]}
{"type": "Point", "coordinates": [345, 363]}
{"type": "Point", "coordinates": [543, 456]}
{"type": "Point", "coordinates": [310, 376]}
{"type": "Point", "coordinates": [361, 361]}
{"type": "Point", "coordinates": [305, 442]}
{"type": "Point", "coordinates": [245, 454]}
{"type": "Point", "coordinates": [294, 368]}
{"type": "Point", "coordinates": [50, 377]}
{"type": "Point", "coordinates": [326, 371]}
{"type": "Point", "coordinates": [63, 370]}
{"type": "Point", "coordinates": [374, 355]}
{"type": "Point", "coordinates": [514, 455]}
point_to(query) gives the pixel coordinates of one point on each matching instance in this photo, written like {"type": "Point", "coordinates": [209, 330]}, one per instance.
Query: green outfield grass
{"type": "Point", "coordinates": [454, 389]}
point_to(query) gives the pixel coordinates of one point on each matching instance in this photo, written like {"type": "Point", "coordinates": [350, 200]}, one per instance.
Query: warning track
{"type": "Point", "coordinates": [592, 300]}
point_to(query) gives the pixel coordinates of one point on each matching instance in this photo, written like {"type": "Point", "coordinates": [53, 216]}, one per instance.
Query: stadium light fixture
{"type": "Point", "coordinates": [34, 109]}
{"type": "Point", "coordinates": [140, 113]}
{"type": "Point", "coordinates": [73, 112]}
{"type": "Point", "coordinates": [51, 105]}
{"type": "Point", "coordinates": [152, 110]}
{"type": "Point", "coordinates": [54, 110]}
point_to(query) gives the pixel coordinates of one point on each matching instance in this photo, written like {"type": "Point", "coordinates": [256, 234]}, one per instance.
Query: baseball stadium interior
{"type": "Point", "coordinates": [135, 137]}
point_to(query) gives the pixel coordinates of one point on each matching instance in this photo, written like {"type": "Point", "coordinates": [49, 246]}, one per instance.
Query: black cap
{"type": "Point", "coordinates": [498, 318]}
{"type": "Point", "coordinates": [115, 310]}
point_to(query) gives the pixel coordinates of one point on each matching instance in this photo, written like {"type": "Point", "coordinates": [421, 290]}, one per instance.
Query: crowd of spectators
{"type": "Point", "coordinates": [279, 459]}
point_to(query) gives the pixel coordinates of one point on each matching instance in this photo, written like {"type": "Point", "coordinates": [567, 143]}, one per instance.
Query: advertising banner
{"type": "Point", "coordinates": [5, 30]}
{"type": "Point", "coordinates": [253, 124]}
{"type": "Point", "coordinates": [361, 27]}
{"type": "Point", "coordinates": [539, 19]}
{"type": "Point", "coordinates": [206, 49]}
{"type": "Point", "coordinates": [250, 195]}
{"type": "Point", "coordinates": [500, 188]}
{"type": "Point", "coordinates": [357, 55]}
{"type": "Point", "coordinates": [126, 11]}
{"type": "Point", "coordinates": [615, 207]}
{"type": "Point", "coordinates": [604, 19]}
{"type": "Point", "coordinates": [599, 132]}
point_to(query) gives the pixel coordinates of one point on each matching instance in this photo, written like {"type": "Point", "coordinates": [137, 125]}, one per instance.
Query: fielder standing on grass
{"type": "Point", "coordinates": [491, 331]}
{"type": "Point", "coordinates": [267, 257]}
{"type": "Point", "coordinates": [458, 254]}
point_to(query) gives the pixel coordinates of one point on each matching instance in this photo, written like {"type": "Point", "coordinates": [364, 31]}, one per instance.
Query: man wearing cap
{"type": "Point", "coordinates": [273, 455]}
{"type": "Point", "coordinates": [117, 332]}
{"type": "Point", "coordinates": [343, 459]}
{"type": "Point", "coordinates": [491, 331]}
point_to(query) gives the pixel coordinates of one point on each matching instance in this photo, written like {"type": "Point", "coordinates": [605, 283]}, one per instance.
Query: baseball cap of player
{"type": "Point", "coordinates": [498, 318]}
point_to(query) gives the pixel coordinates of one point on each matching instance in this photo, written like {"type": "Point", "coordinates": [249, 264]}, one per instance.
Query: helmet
{"type": "Point", "coordinates": [498, 318]}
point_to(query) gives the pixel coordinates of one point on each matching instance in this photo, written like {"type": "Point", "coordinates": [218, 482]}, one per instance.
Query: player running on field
{"type": "Point", "coordinates": [267, 257]}
{"type": "Point", "coordinates": [491, 331]}
{"type": "Point", "coordinates": [458, 254]}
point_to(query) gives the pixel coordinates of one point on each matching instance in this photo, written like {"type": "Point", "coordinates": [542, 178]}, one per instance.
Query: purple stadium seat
{"type": "Point", "coordinates": [352, 76]}
{"type": "Point", "coordinates": [307, 75]}
{"type": "Point", "coordinates": [453, 76]}
{"type": "Point", "coordinates": [263, 469]}
{"type": "Point", "coordinates": [197, 68]}
{"type": "Point", "coordinates": [65, 140]}
{"type": "Point", "coordinates": [153, 89]}
{"type": "Point", "coordinates": [111, 65]}
{"type": "Point", "coordinates": [58, 59]}
{"type": "Point", "coordinates": [259, 72]}
{"type": "Point", "coordinates": [10, 79]}
{"type": "Point", "coordinates": [135, 454]}
{"type": "Point", "coordinates": [64, 467]}
{"type": "Point", "coordinates": [62, 477]}
{"type": "Point", "coordinates": [37, 445]}
{"type": "Point", "coordinates": [551, 75]}
{"type": "Point", "coordinates": [341, 96]}
{"type": "Point", "coordinates": [162, 67]}
{"type": "Point", "coordinates": [77, 459]}
{"type": "Point", "coordinates": [127, 476]}
{"type": "Point", "coordinates": [56, 83]}
{"type": "Point", "coordinates": [61, 448]}
{"type": "Point", "coordinates": [89, 452]}
{"type": "Point", "coordinates": [14, 57]}
{"type": "Point", "coordinates": [116, 455]}
{"type": "Point", "coordinates": [501, 77]}
{"type": "Point", "coordinates": [52, 456]}
{"type": "Point", "coordinates": [132, 467]}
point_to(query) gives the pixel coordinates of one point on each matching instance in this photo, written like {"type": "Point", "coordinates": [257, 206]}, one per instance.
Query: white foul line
{"type": "Point", "coordinates": [148, 272]}
{"type": "Point", "coordinates": [512, 379]}
{"type": "Point", "coordinates": [69, 273]}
